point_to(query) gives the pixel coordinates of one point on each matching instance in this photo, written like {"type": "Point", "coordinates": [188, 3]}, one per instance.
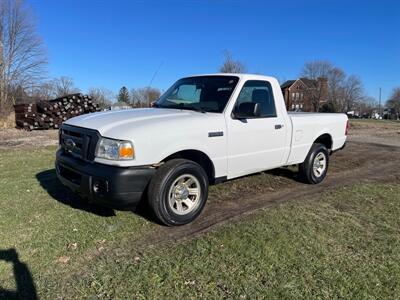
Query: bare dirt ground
{"type": "Point", "coordinates": [372, 154]}
{"type": "Point", "coordinates": [16, 138]}
{"type": "Point", "coordinates": [358, 163]}
{"type": "Point", "coordinates": [387, 133]}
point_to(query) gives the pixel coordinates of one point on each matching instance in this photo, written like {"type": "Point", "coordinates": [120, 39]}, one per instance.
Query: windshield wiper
{"type": "Point", "coordinates": [156, 105]}
{"type": "Point", "coordinates": [198, 109]}
{"type": "Point", "coordinates": [183, 107]}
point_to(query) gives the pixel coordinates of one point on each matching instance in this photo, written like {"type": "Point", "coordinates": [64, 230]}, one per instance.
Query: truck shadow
{"type": "Point", "coordinates": [49, 181]}
{"type": "Point", "coordinates": [286, 173]}
{"type": "Point", "coordinates": [25, 287]}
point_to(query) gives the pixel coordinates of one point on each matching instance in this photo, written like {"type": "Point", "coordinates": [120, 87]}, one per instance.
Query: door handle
{"type": "Point", "coordinates": [278, 126]}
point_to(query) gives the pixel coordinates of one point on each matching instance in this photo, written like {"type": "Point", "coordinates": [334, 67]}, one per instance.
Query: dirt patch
{"type": "Point", "coordinates": [17, 138]}
{"type": "Point", "coordinates": [357, 163]}
{"type": "Point", "coordinates": [380, 132]}
{"type": "Point", "coordinates": [361, 161]}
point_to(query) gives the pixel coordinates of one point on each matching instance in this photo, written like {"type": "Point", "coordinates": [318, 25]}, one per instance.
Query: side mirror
{"type": "Point", "coordinates": [248, 110]}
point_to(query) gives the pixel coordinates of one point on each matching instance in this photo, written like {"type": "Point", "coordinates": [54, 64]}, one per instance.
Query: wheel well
{"type": "Point", "coordinates": [325, 140]}
{"type": "Point", "coordinates": [199, 157]}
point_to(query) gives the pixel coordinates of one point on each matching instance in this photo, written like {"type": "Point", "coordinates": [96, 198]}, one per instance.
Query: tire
{"type": "Point", "coordinates": [315, 174]}
{"type": "Point", "coordinates": [178, 192]}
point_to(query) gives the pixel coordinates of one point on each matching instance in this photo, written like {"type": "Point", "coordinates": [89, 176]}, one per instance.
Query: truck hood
{"type": "Point", "coordinates": [121, 124]}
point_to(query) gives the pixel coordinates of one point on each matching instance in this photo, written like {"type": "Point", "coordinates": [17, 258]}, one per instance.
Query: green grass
{"type": "Point", "coordinates": [345, 245]}
{"type": "Point", "coordinates": [43, 229]}
{"type": "Point", "coordinates": [342, 244]}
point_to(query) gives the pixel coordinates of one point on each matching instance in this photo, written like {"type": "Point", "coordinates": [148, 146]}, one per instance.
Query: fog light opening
{"type": "Point", "coordinates": [99, 187]}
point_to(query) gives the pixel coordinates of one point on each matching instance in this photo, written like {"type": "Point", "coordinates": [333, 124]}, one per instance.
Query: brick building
{"type": "Point", "coordinates": [303, 94]}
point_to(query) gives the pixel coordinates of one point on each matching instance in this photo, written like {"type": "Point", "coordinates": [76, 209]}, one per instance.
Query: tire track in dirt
{"type": "Point", "coordinates": [359, 163]}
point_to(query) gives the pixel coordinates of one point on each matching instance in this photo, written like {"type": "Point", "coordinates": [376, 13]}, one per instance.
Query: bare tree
{"type": "Point", "coordinates": [230, 65]}
{"type": "Point", "coordinates": [65, 86]}
{"type": "Point", "coordinates": [42, 91]}
{"type": "Point", "coordinates": [50, 89]}
{"type": "Point", "coordinates": [22, 55]}
{"type": "Point", "coordinates": [102, 96]}
{"type": "Point", "coordinates": [317, 72]}
{"type": "Point", "coordinates": [143, 97]}
{"type": "Point", "coordinates": [336, 78]}
{"type": "Point", "coordinates": [353, 92]}
{"type": "Point", "coordinates": [343, 91]}
{"type": "Point", "coordinates": [316, 69]}
{"type": "Point", "coordinates": [394, 102]}
{"type": "Point", "coordinates": [366, 106]}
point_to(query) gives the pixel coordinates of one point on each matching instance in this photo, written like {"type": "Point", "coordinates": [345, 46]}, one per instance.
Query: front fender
{"type": "Point", "coordinates": [216, 151]}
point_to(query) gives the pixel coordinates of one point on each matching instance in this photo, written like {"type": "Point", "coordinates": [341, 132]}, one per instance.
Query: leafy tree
{"type": "Point", "coordinates": [123, 95]}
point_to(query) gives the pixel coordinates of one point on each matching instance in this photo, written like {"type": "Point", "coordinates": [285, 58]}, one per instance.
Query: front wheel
{"type": "Point", "coordinates": [178, 192]}
{"type": "Point", "coordinates": [314, 168]}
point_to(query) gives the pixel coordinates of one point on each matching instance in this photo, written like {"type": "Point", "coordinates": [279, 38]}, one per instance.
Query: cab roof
{"type": "Point", "coordinates": [245, 76]}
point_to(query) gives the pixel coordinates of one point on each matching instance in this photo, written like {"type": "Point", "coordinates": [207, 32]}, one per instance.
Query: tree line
{"type": "Point", "coordinates": [141, 97]}
{"type": "Point", "coordinates": [23, 64]}
{"type": "Point", "coordinates": [345, 91]}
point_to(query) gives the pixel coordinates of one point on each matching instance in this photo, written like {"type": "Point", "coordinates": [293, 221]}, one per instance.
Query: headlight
{"type": "Point", "coordinates": [115, 149]}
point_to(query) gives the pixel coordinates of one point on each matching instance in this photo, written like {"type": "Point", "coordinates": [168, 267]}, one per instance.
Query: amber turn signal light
{"type": "Point", "coordinates": [126, 151]}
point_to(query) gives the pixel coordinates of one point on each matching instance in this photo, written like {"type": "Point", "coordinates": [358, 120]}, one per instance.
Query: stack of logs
{"type": "Point", "coordinates": [51, 114]}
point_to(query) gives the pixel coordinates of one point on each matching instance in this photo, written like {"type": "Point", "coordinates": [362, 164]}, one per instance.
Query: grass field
{"type": "Point", "coordinates": [340, 244]}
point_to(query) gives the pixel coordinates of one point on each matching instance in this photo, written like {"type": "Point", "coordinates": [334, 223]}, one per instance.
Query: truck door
{"type": "Point", "coordinates": [257, 143]}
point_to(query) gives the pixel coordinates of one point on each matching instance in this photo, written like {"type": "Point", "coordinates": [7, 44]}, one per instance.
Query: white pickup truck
{"type": "Point", "coordinates": [203, 130]}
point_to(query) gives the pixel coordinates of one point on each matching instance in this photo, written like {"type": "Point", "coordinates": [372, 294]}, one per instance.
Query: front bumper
{"type": "Point", "coordinates": [112, 186]}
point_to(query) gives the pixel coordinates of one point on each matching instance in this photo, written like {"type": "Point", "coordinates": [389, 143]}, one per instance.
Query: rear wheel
{"type": "Point", "coordinates": [314, 168]}
{"type": "Point", "coordinates": [178, 192]}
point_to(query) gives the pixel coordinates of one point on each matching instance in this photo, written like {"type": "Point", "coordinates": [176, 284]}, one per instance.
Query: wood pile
{"type": "Point", "coordinates": [50, 114]}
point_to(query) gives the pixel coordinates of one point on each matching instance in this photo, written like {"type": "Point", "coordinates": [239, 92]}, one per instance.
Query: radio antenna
{"type": "Point", "coordinates": [155, 74]}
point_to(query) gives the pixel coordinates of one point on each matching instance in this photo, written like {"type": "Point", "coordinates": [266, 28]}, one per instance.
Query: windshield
{"type": "Point", "coordinates": [202, 93]}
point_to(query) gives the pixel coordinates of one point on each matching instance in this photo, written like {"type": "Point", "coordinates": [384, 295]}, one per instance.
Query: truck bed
{"type": "Point", "coordinates": [308, 125]}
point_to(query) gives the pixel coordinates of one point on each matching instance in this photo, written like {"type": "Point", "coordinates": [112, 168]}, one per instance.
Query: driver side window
{"type": "Point", "coordinates": [259, 92]}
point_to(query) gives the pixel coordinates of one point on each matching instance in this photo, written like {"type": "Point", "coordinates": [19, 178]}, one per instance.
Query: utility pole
{"type": "Point", "coordinates": [380, 95]}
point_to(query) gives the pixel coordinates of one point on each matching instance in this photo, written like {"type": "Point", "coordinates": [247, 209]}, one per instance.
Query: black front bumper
{"type": "Point", "coordinates": [112, 186]}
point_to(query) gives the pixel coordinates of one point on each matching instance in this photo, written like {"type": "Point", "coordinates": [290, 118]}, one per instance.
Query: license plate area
{"type": "Point", "coordinates": [70, 175]}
